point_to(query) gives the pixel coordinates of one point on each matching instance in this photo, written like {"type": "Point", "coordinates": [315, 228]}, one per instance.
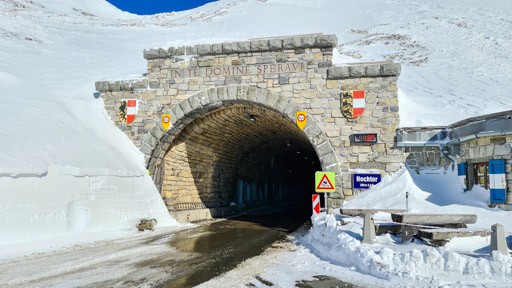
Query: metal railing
{"type": "Point", "coordinates": [197, 205]}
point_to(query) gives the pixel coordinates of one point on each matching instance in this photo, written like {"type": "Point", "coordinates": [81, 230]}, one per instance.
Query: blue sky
{"type": "Point", "coordinates": [148, 7]}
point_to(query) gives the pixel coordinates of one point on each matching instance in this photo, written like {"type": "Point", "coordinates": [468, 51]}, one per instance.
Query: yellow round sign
{"type": "Point", "coordinates": [166, 121]}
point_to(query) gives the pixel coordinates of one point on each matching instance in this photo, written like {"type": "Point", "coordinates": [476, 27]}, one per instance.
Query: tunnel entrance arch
{"type": "Point", "coordinates": [280, 74]}
{"type": "Point", "coordinates": [235, 144]}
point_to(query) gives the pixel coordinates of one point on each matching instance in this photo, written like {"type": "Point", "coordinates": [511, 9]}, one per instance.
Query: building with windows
{"type": "Point", "coordinates": [480, 148]}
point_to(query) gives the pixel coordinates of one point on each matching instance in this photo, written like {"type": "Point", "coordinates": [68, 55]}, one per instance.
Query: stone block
{"type": "Point", "coordinates": [115, 86]}
{"type": "Point", "coordinates": [216, 49]}
{"type": "Point", "coordinates": [271, 99]}
{"type": "Point", "coordinates": [275, 44]}
{"type": "Point", "coordinates": [205, 63]}
{"type": "Point", "coordinates": [151, 140]}
{"type": "Point", "coordinates": [498, 241]}
{"type": "Point", "coordinates": [191, 50]}
{"type": "Point", "coordinates": [126, 85]}
{"type": "Point", "coordinates": [101, 86]}
{"type": "Point", "coordinates": [281, 58]}
{"type": "Point", "coordinates": [251, 93]}
{"type": "Point", "coordinates": [203, 98]}
{"type": "Point", "coordinates": [501, 150]}
{"type": "Point", "coordinates": [229, 48]}
{"type": "Point", "coordinates": [163, 53]}
{"type": "Point", "coordinates": [181, 51]}
{"type": "Point", "coordinates": [392, 167]}
{"type": "Point", "coordinates": [265, 60]}
{"type": "Point", "coordinates": [324, 149]}
{"type": "Point", "coordinates": [308, 41]}
{"type": "Point", "coordinates": [392, 69]}
{"type": "Point", "coordinates": [157, 132]}
{"type": "Point", "coordinates": [204, 49]}
{"type": "Point", "coordinates": [356, 71]}
{"type": "Point", "coordinates": [320, 138]}
{"type": "Point", "coordinates": [222, 93]}
{"type": "Point", "coordinates": [292, 43]}
{"type": "Point", "coordinates": [154, 85]}
{"type": "Point", "coordinates": [338, 72]}
{"type": "Point", "coordinates": [328, 159]}
{"type": "Point", "coordinates": [146, 149]}
{"type": "Point", "coordinates": [140, 84]}
{"type": "Point", "coordinates": [244, 47]}
{"type": "Point", "coordinates": [312, 129]}
{"type": "Point", "coordinates": [390, 158]}
{"type": "Point", "coordinates": [241, 93]}
{"type": "Point", "coordinates": [212, 95]}
{"type": "Point", "coordinates": [259, 45]}
{"type": "Point", "coordinates": [231, 92]}
{"type": "Point", "coordinates": [372, 70]}
{"type": "Point", "coordinates": [368, 229]}
{"type": "Point", "coordinates": [281, 103]}
{"type": "Point", "coordinates": [151, 54]}
{"type": "Point", "coordinates": [185, 106]}
{"type": "Point", "coordinates": [283, 79]}
{"type": "Point", "coordinates": [326, 41]}
{"type": "Point", "coordinates": [194, 102]}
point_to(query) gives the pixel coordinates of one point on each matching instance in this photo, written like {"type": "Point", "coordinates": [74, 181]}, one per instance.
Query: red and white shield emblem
{"type": "Point", "coordinates": [352, 104]}
{"type": "Point", "coordinates": [127, 110]}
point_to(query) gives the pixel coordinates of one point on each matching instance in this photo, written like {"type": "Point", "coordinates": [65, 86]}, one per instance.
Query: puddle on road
{"type": "Point", "coordinates": [220, 246]}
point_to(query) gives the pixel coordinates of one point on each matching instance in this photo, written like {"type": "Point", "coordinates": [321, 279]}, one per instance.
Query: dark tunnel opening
{"type": "Point", "coordinates": [241, 158]}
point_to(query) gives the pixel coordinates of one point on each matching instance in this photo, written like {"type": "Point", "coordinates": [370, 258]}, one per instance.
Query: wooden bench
{"type": "Point", "coordinates": [439, 237]}
{"type": "Point", "coordinates": [361, 212]}
{"type": "Point", "coordinates": [435, 219]}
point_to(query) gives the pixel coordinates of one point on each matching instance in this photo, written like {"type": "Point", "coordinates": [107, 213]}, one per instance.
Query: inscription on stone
{"type": "Point", "coordinates": [238, 70]}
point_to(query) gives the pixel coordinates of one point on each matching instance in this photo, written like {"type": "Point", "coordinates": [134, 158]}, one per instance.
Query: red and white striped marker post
{"type": "Point", "coordinates": [316, 204]}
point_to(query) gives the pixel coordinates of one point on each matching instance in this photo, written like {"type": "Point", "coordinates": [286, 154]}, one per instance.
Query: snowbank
{"type": "Point", "coordinates": [416, 267]}
{"type": "Point", "coordinates": [63, 203]}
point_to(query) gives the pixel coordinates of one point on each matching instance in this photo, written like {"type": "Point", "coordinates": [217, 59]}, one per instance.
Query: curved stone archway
{"type": "Point", "coordinates": [158, 142]}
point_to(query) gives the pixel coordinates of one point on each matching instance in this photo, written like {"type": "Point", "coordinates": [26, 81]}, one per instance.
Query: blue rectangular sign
{"type": "Point", "coordinates": [365, 181]}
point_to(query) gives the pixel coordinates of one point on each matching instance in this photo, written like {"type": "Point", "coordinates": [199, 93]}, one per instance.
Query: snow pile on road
{"type": "Point", "coordinates": [427, 266]}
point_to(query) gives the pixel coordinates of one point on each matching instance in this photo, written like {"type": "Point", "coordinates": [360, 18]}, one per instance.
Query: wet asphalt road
{"type": "Point", "coordinates": [220, 246]}
{"type": "Point", "coordinates": [183, 258]}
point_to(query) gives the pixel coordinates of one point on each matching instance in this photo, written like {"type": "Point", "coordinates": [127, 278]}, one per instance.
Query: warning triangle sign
{"type": "Point", "coordinates": [325, 184]}
{"type": "Point", "coordinates": [324, 181]}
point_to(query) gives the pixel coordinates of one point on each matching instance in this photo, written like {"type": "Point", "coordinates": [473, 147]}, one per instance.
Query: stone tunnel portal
{"type": "Point", "coordinates": [241, 157]}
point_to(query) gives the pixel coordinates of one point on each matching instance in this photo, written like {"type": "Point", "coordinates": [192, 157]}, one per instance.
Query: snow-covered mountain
{"type": "Point", "coordinates": [456, 59]}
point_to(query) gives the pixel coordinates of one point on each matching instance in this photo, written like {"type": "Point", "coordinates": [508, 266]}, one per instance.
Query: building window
{"type": "Point", "coordinates": [481, 174]}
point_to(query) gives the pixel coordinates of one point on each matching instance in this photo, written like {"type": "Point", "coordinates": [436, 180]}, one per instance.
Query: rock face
{"type": "Point", "coordinates": [211, 145]}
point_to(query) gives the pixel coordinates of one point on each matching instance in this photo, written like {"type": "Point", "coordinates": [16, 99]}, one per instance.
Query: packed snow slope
{"type": "Point", "coordinates": [65, 169]}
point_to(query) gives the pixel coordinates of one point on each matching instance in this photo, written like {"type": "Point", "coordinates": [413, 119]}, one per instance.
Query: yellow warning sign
{"type": "Point", "coordinates": [324, 182]}
{"type": "Point", "coordinates": [301, 119]}
{"type": "Point", "coordinates": [166, 121]}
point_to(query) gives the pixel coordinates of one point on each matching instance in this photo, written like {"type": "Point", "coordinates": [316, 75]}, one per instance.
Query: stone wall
{"type": "Point", "coordinates": [297, 74]}
{"type": "Point", "coordinates": [426, 157]}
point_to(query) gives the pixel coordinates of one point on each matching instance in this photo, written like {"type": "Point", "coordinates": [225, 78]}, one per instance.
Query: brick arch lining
{"type": "Point", "coordinates": [191, 114]}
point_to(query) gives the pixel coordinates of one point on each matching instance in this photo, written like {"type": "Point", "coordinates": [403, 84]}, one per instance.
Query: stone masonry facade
{"type": "Point", "coordinates": [208, 89]}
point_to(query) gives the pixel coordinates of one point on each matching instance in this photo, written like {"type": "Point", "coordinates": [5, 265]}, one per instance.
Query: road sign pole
{"type": "Point", "coordinates": [325, 197]}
